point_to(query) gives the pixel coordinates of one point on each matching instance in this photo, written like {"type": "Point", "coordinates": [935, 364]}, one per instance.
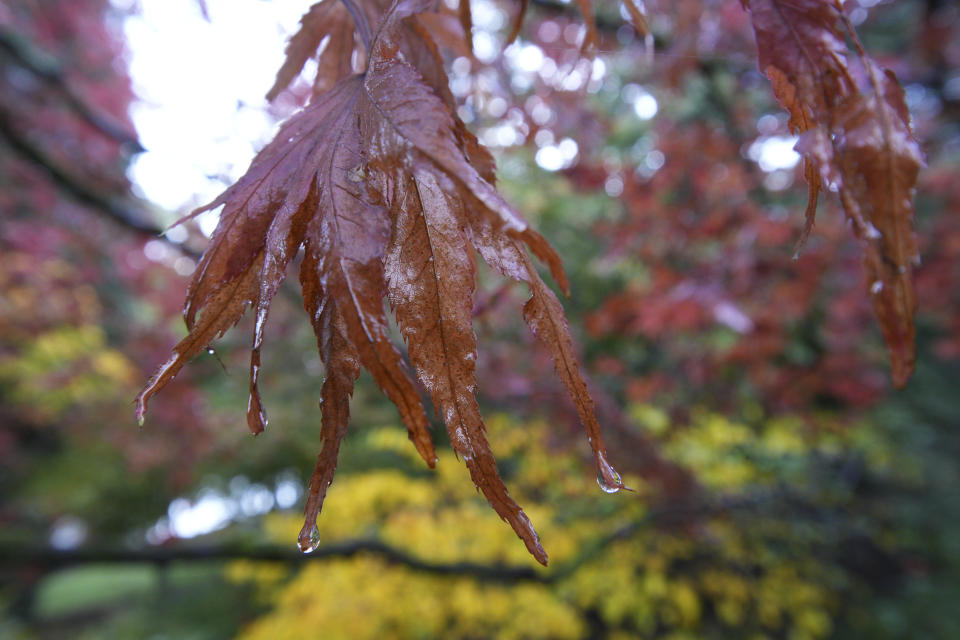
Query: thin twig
{"type": "Point", "coordinates": [360, 20]}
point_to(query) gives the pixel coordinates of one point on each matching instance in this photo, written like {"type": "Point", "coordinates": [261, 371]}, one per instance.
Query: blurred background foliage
{"type": "Point", "coordinates": [782, 489]}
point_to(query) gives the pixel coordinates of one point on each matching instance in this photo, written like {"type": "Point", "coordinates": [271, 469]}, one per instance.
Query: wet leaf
{"type": "Point", "coordinates": [387, 193]}
{"type": "Point", "coordinates": [855, 134]}
{"type": "Point", "coordinates": [326, 19]}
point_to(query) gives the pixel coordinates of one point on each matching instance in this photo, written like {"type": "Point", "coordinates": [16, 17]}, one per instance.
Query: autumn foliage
{"type": "Point", "coordinates": [855, 137]}
{"type": "Point", "coordinates": [388, 194]}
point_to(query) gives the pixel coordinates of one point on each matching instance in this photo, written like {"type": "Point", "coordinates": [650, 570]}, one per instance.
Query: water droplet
{"type": "Point", "coordinates": [258, 327]}
{"type": "Point", "coordinates": [876, 287]}
{"type": "Point", "coordinates": [609, 488]}
{"type": "Point", "coordinates": [310, 545]}
{"type": "Point", "coordinates": [211, 351]}
{"type": "Point", "coordinates": [141, 419]}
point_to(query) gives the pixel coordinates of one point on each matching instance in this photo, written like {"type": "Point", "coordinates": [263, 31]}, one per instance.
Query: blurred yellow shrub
{"type": "Point", "coordinates": [713, 576]}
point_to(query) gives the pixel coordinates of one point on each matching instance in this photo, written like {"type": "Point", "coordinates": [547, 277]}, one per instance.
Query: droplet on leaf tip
{"type": "Point", "coordinates": [309, 544]}
{"type": "Point", "coordinates": [141, 419]}
{"type": "Point", "coordinates": [256, 414]}
{"type": "Point", "coordinates": [605, 486]}
{"type": "Point", "coordinates": [876, 287]}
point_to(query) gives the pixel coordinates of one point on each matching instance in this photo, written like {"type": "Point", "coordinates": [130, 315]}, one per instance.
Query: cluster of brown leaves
{"type": "Point", "coordinates": [386, 192]}
{"type": "Point", "coordinates": [855, 137]}
{"type": "Point", "coordinates": [388, 195]}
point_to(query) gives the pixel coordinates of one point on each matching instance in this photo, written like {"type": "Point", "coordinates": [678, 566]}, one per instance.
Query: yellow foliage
{"type": "Point", "coordinates": [366, 598]}
{"type": "Point", "coordinates": [63, 367]}
{"type": "Point", "coordinates": [651, 582]}
{"type": "Point", "coordinates": [653, 419]}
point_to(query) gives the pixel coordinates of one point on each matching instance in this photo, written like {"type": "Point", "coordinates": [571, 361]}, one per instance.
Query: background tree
{"type": "Point", "coordinates": [736, 367]}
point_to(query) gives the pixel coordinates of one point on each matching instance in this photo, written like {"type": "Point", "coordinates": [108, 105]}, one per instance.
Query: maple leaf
{"type": "Point", "coordinates": [386, 191]}
{"type": "Point", "coordinates": [854, 134]}
{"type": "Point", "coordinates": [327, 20]}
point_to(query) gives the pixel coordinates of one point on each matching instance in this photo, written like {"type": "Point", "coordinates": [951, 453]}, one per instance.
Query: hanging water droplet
{"type": "Point", "coordinates": [141, 419]}
{"type": "Point", "coordinates": [310, 545]}
{"type": "Point", "coordinates": [876, 287]}
{"type": "Point", "coordinates": [609, 488]}
{"type": "Point", "coordinates": [211, 351]}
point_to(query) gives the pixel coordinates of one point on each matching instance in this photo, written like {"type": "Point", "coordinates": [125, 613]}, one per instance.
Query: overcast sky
{"type": "Point", "coordinates": [201, 86]}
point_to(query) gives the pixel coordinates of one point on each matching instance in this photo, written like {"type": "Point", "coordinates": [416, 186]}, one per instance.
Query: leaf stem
{"type": "Point", "coordinates": [851, 30]}
{"type": "Point", "coordinates": [360, 20]}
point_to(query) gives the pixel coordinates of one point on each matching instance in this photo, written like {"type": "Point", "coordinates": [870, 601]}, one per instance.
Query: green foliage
{"type": "Point", "coordinates": [138, 601]}
{"type": "Point", "coordinates": [63, 368]}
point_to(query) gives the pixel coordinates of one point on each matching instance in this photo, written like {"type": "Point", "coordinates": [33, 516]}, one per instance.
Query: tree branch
{"type": "Point", "coordinates": [51, 559]}
{"type": "Point", "coordinates": [48, 69]}
{"type": "Point", "coordinates": [555, 7]}
{"type": "Point", "coordinates": [705, 506]}
{"type": "Point", "coordinates": [126, 214]}
{"type": "Point", "coordinates": [668, 514]}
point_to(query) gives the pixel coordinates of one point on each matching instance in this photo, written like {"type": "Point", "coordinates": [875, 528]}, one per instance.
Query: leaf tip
{"type": "Point", "coordinates": [423, 443]}
{"type": "Point", "coordinates": [256, 415]}
{"type": "Point", "coordinates": [903, 360]}
{"type": "Point", "coordinates": [542, 557]}
{"type": "Point", "coordinates": [901, 375]}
